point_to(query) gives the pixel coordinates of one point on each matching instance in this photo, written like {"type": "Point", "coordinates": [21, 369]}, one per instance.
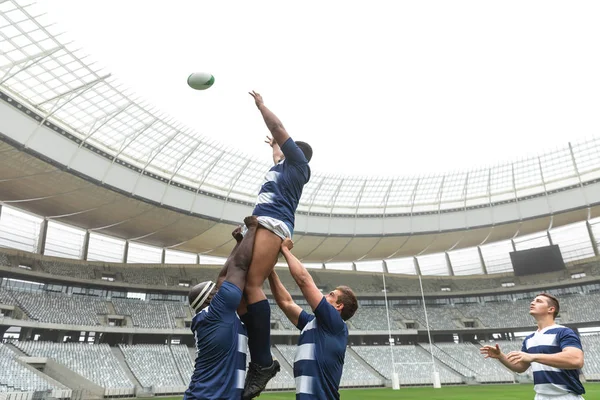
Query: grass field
{"type": "Point", "coordinates": [487, 392]}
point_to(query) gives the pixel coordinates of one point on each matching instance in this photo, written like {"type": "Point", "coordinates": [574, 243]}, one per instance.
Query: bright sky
{"type": "Point", "coordinates": [376, 87]}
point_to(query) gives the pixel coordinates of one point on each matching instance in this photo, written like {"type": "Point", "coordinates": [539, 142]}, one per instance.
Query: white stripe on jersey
{"type": "Point", "coordinates": [311, 325]}
{"type": "Point", "coordinates": [304, 384]}
{"type": "Point", "coordinates": [541, 367]}
{"type": "Point", "coordinates": [542, 339]}
{"type": "Point", "coordinates": [272, 176]}
{"type": "Point", "coordinates": [305, 352]}
{"type": "Point", "coordinates": [240, 378]}
{"type": "Point", "coordinates": [550, 389]}
{"type": "Point", "coordinates": [242, 343]}
{"type": "Point", "coordinates": [265, 198]}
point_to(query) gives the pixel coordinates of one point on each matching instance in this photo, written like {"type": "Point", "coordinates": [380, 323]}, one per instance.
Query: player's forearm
{"type": "Point", "coordinates": [279, 291]}
{"type": "Point", "coordinates": [518, 367]}
{"type": "Point", "coordinates": [561, 360]}
{"type": "Point", "coordinates": [297, 270]}
{"type": "Point", "coordinates": [274, 125]}
{"type": "Point", "coordinates": [277, 154]}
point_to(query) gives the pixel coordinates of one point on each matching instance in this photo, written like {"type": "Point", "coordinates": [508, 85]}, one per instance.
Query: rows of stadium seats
{"type": "Point", "coordinates": [591, 348]}
{"type": "Point", "coordinates": [94, 362]}
{"type": "Point", "coordinates": [4, 261]}
{"type": "Point", "coordinates": [467, 354]}
{"type": "Point", "coordinates": [16, 377]}
{"type": "Point", "coordinates": [411, 363]}
{"type": "Point", "coordinates": [68, 269]}
{"type": "Point", "coordinates": [172, 275]}
{"type": "Point", "coordinates": [160, 366]}
{"type": "Point", "coordinates": [153, 315]}
{"type": "Point", "coordinates": [60, 308]}
{"type": "Point", "coordinates": [87, 310]}
{"type": "Point", "coordinates": [153, 365]}
{"type": "Point", "coordinates": [446, 359]}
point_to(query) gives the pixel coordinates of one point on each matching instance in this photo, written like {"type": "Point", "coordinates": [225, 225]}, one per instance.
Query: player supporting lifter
{"type": "Point", "coordinates": [553, 351]}
{"type": "Point", "coordinates": [275, 208]}
{"type": "Point", "coordinates": [221, 340]}
{"type": "Point", "coordinates": [321, 350]}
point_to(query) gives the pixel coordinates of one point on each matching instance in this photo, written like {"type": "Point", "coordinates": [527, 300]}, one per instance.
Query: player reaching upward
{"type": "Point", "coordinates": [322, 344]}
{"type": "Point", "coordinates": [554, 353]}
{"type": "Point", "coordinates": [221, 340]}
{"type": "Point", "coordinates": [275, 208]}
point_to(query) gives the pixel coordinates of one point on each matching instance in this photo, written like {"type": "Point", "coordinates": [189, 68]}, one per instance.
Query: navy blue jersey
{"type": "Point", "coordinates": [320, 355]}
{"type": "Point", "coordinates": [221, 343]}
{"type": "Point", "coordinates": [548, 380]}
{"type": "Point", "coordinates": [281, 191]}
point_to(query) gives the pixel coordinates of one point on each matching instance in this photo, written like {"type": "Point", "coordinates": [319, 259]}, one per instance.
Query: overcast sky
{"type": "Point", "coordinates": [377, 87]}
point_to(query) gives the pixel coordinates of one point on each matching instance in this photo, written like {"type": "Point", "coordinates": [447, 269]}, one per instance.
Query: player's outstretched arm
{"type": "Point", "coordinates": [284, 299]}
{"type": "Point", "coordinates": [277, 153]}
{"type": "Point", "coordinates": [303, 279]}
{"type": "Point", "coordinates": [273, 123]}
{"type": "Point", "coordinates": [494, 352]}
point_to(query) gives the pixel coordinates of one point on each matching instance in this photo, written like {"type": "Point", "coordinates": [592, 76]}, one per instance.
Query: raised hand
{"type": "Point", "coordinates": [270, 141]}
{"type": "Point", "coordinates": [491, 351]}
{"type": "Point", "coordinates": [287, 244]}
{"type": "Point", "coordinates": [258, 100]}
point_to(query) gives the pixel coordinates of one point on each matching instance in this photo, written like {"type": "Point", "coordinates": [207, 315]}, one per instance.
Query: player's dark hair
{"type": "Point", "coordinates": [306, 149]}
{"type": "Point", "coordinates": [552, 302]}
{"type": "Point", "coordinates": [348, 299]}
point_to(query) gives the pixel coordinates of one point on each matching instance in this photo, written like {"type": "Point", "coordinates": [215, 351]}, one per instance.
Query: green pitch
{"type": "Point", "coordinates": [487, 392]}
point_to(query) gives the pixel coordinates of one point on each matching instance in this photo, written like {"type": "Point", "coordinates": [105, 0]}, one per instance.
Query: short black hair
{"type": "Point", "coordinates": [306, 149]}
{"type": "Point", "coordinates": [552, 302]}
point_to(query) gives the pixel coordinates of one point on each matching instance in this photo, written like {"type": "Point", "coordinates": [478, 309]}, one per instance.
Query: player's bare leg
{"type": "Point", "coordinates": [258, 317]}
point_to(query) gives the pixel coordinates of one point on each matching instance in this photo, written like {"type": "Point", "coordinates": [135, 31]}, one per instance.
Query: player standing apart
{"type": "Point", "coordinates": [275, 209]}
{"type": "Point", "coordinates": [554, 353]}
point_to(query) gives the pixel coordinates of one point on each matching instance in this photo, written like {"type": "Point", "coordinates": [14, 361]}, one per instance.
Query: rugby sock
{"type": "Point", "coordinates": [259, 333]}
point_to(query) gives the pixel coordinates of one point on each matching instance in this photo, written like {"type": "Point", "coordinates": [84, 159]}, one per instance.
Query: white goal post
{"type": "Point", "coordinates": [400, 375]}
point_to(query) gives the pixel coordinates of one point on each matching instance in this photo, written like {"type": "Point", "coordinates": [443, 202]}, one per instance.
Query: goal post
{"type": "Point", "coordinates": [401, 374]}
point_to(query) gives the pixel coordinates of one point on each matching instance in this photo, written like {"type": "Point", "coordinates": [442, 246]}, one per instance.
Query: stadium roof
{"type": "Point", "coordinates": [62, 82]}
{"type": "Point", "coordinates": [63, 85]}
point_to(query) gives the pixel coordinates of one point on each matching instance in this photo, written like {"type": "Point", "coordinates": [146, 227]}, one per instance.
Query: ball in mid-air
{"type": "Point", "coordinates": [200, 80]}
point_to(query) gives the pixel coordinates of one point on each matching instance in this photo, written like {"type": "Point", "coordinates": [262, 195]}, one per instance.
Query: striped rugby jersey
{"type": "Point", "coordinates": [548, 380]}
{"type": "Point", "coordinates": [281, 191]}
{"type": "Point", "coordinates": [320, 354]}
{"type": "Point", "coordinates": [221, 343]}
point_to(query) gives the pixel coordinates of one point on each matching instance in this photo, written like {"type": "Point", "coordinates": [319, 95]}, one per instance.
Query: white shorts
{"type": "Point", "coordinates": [276, 226]}
{"type": "Point", "coordinates": [569, 396]}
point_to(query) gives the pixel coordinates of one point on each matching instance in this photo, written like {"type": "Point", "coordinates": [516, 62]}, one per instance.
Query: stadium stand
{"type": "Point", "coordinates": [154, 366]}
{"type": "Point", "coordinates": [467, 354]}
{"type": "Point", "coordinates": [16, 377]}
{"type": "Point", "coordinates": [591, 348]}
{"type": "Point", "coordinates": [94, 362]}
{"type": "Point", "coordinates": [448, 361]}
{"type": "Point", "coordinates": [4, 260]}
{"type": "Point", "coordinates": [55, 307]}
{"type": "Point", "coordinates": [183, 361]}
{"type": "Point", "coordinates": [61, 308]}
{"type": "Point", "coordinates": [67, 269]}
{"type": "Point", "coordinates": [411, 363]}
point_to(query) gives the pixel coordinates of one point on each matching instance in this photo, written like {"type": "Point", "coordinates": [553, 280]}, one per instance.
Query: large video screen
{"type": "Point", "coordinates": [537, 260]}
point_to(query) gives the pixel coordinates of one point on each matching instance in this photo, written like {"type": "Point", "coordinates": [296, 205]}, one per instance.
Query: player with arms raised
{"type": "Point", "coordinates": [275, 208]}
{"type": "Point", "coordinates": [322, 344]}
